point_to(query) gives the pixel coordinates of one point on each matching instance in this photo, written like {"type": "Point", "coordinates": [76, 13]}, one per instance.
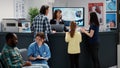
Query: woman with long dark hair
{"type": "Point", "coordinates": [93, 38]}
{"type": "Point", "coordinates": [57, 19]}
{"type": "Point", "coordinates": [73, 38]}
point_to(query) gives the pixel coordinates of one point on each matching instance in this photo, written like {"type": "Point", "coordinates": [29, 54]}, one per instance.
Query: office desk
{"type": "Point", "coordinates": [107, 51]}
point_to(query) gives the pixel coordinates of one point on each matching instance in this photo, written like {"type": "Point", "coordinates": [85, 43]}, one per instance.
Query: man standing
{"type": "Point", "coordinates": [10, 54]}
{"type": "Point", "coordinates": [41, 23]}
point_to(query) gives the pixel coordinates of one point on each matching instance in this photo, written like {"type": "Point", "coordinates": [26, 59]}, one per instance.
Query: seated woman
{"type": "Point", "coordinates": [57, 19]}
{"type": "Point", "coordinates": [38, 51]}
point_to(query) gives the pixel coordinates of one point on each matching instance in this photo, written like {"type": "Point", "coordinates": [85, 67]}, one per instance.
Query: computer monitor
{"type": "Point", "coordinates": [72, 14]}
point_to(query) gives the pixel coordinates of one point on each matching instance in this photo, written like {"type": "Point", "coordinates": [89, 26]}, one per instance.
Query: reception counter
{"type": "Point", "coordinates": [58, 46]}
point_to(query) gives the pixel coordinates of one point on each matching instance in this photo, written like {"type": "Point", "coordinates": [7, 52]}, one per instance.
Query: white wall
{"type": "Point", "coordinates": [6, 9]}
{"type": "Point", "coordinates": [79, 3]}
{"type": "Point", "coordinates": [39, 3]}
{"type": "Point", "coordinates": [60, 3]}
{"type": "Point", "coordinates": [27, 5]}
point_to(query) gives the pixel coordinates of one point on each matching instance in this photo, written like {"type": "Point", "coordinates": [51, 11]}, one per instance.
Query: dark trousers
{"type": "Point", "coordinates": [93, 51]}
{"type": "Point", "coordinates": [74, 60]}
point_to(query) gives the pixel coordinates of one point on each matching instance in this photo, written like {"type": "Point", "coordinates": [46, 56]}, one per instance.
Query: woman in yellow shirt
{"type": "Point", "coordinates": [73, 38]}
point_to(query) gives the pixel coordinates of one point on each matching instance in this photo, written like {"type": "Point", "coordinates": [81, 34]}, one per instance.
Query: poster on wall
{"type": "Point", "coordinates": [100, 11]}
{"type": "Point", "coordinates": [111, 5]}
{"type": "Point", "coordinates": [19, 8]}
{"type": "Point", "coordinates": [111, 20]}
{"type": "Point", "coordinates": [98, 8]}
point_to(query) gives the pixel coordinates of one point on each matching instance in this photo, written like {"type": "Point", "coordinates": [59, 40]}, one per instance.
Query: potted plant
{"type": "Point", "coordinates": [33, 12]}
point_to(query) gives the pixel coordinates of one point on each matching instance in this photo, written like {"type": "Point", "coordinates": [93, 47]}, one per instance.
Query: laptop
{"type": "Point", "coordinates": [58, 28]}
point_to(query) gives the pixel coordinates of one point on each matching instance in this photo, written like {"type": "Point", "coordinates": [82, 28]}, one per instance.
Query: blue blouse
{"type": "Point", "coordinates": [94, 39]}
{"type": "Point", "coordinates": [43, 51]}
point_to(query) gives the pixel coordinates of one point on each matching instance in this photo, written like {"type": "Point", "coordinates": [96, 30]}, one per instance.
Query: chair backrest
{"type": "Point", "coordinates": [24, 54]}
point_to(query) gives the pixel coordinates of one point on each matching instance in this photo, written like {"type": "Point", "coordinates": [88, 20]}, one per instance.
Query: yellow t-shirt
{"type": "Point", "coordinates": [73, 43]}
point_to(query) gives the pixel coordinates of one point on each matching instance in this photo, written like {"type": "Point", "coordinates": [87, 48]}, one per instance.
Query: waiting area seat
{"type": "Point", "coordinates": [23, 52]}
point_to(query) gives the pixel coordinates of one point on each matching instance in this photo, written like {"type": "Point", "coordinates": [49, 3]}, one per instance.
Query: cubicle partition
{"type": "Point", "coordinates": [58, 47]}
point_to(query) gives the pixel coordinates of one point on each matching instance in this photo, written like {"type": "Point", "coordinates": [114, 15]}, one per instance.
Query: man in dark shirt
{"type": "Point", "coordinates": [10, 54]}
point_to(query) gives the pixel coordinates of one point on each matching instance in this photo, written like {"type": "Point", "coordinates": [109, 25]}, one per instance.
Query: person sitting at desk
{"type": "Point", "coordinates": [10, 55]}
{"type": "Point", "coordinates": [57, 19]}
{"type": "Point", "coordinates": [38, 51]}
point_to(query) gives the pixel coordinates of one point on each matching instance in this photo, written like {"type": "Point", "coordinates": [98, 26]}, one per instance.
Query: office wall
{"type": "Point", "coordinates": [32, 4]}
{"type": "Point", "coordinates": [69, 3]}
{"type": "Point", "coordinates": [6, 9]}
{"type": "Point", "coordinates": [79, 3]}
{"type": "Point", "coordinates": [27, 4]}
{"type": "Point", "coordinates": [39, 3]}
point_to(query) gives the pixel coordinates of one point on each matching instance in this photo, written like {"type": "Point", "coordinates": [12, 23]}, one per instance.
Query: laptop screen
{"type": "Point", "coordinates": [58, 28]}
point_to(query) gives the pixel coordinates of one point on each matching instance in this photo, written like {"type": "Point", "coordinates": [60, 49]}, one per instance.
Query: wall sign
{"type": "Point", "coordinates": [19, 8]}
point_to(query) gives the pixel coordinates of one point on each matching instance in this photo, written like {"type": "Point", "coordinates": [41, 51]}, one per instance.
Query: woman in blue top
{"type": "Point", "coordinates": [93, 38]}
{"type": "Point", "coordinates": [38, 51]}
